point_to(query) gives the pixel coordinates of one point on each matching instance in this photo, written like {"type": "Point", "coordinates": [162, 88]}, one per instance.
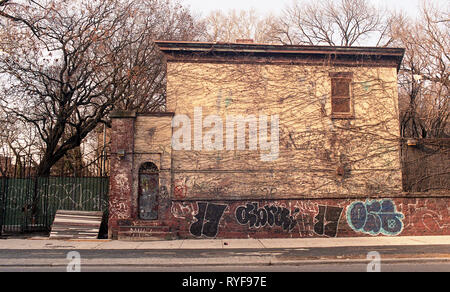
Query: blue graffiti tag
{"type": "Point", "coordinates": [375, 217]}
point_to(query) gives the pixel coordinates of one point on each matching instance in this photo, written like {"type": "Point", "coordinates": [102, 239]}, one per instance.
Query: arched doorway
{"type": "Point", "coordinates": [148, 191]}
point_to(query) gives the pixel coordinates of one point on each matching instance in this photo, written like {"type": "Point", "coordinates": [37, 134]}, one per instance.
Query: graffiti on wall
{"type": "Point", "coordinates": [432, 215]}
{"type": "Point", "coordinates": [119, 209]}
{"type": "Point", "coordinates": [308, 210]}
{"type": "Point", "coordinates": [163, 192]}
{"type": "Point", "coordinates": [208, 219]}
{"type": "Point", "coordinates": [313, 219]}
{"type": "Point", "coordinates": [257, 217]}
{"type": "Point", "coordinates": [328, 221]}
{"type": "Point", "coordinates": [184, 210]}
{"type": "Point", "coordinates": [179, 189]}
{"type": "Point", "coordinates": [375, 218]}
{"type": "Point", "coordinates": [148, 196]}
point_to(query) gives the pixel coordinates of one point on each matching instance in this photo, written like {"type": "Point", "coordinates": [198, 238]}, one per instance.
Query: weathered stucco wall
{"type": "Point", "coordinates": [314, 148]}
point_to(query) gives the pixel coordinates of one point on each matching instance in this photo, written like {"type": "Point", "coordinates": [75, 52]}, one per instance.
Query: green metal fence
{"type": "Point", "coordinates": [2, 205]}
{"type": "Point", "coordinates": [30, 204]}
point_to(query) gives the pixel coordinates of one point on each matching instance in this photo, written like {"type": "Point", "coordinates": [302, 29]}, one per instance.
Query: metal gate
{"type": "Point", "coordinates": [30, 204]}
{"type": "Point", "coordinates": [3, 187]}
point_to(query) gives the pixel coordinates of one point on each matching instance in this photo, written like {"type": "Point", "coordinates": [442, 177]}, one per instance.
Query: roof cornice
{"type": "Point", "coordinates": [181, 51]}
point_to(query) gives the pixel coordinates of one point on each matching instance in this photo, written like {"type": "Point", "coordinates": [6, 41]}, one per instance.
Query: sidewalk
{"type": "Point", "coordinates": [44, 243]}
{"type": "Point", "coordinates": [41, 252]}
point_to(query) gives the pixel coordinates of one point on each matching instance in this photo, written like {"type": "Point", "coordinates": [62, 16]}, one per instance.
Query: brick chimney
{"type": "Point", "coordinates": [244, 41]}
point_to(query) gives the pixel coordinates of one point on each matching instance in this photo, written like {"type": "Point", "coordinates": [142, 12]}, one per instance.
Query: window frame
{"type": "Point", "coordinates": [348, 76]}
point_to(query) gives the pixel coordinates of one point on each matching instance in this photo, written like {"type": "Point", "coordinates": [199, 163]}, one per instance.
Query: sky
{"type": "Point", "coordinates": [276, 6]}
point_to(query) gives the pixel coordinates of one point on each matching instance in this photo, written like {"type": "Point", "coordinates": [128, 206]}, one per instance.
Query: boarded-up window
{"type": "Point", "coordinates": [341, 94]}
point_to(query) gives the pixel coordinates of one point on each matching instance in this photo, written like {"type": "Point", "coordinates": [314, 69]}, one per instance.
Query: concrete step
{"type": "Point", "coordinates": [144, 228]}
{"type": "Point", "coordinates": [144, 233]}
{"type": "Point", "coordinates": [144, 237]}
{"type": "Point", "coordinates": [142, 223]}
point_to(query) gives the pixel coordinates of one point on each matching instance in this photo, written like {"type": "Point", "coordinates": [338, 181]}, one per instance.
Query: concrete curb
{"type": "Point", "coordinates": [224, 263]}
{"type": "Point", "coordinates": [39, 243]}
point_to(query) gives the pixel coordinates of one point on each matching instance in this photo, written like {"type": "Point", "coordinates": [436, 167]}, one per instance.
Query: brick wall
{"type": "Point", "coordinates": [121, 177]}
{"type": "Point", "coordinates": [312, 218]}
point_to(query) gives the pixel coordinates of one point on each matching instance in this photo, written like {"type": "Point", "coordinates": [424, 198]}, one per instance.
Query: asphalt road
{"type": "Point", "coordinates": [286, 253]}
{"type": "Point", "coordinates": [325, 258]}
{"type": "Point", "coordinates": [330, 268]}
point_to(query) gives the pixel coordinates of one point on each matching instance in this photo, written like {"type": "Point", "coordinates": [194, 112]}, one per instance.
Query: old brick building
{"type": "Point", "coordinates": [268, 141]}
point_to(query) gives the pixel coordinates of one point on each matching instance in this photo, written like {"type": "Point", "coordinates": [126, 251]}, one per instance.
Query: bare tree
{"type": "Point", "coordinates": [234, 25]}
{"type": "Point", "coordinates": [17, 144]}
{"type": "Point", "coordinates": [334, 23]}
{"type": "Point", "coordinates": [424, 76]}
{"type": "Point", "coordinates": [71, 63]}
{"type": "Point", "coordinates": [158, 20]}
